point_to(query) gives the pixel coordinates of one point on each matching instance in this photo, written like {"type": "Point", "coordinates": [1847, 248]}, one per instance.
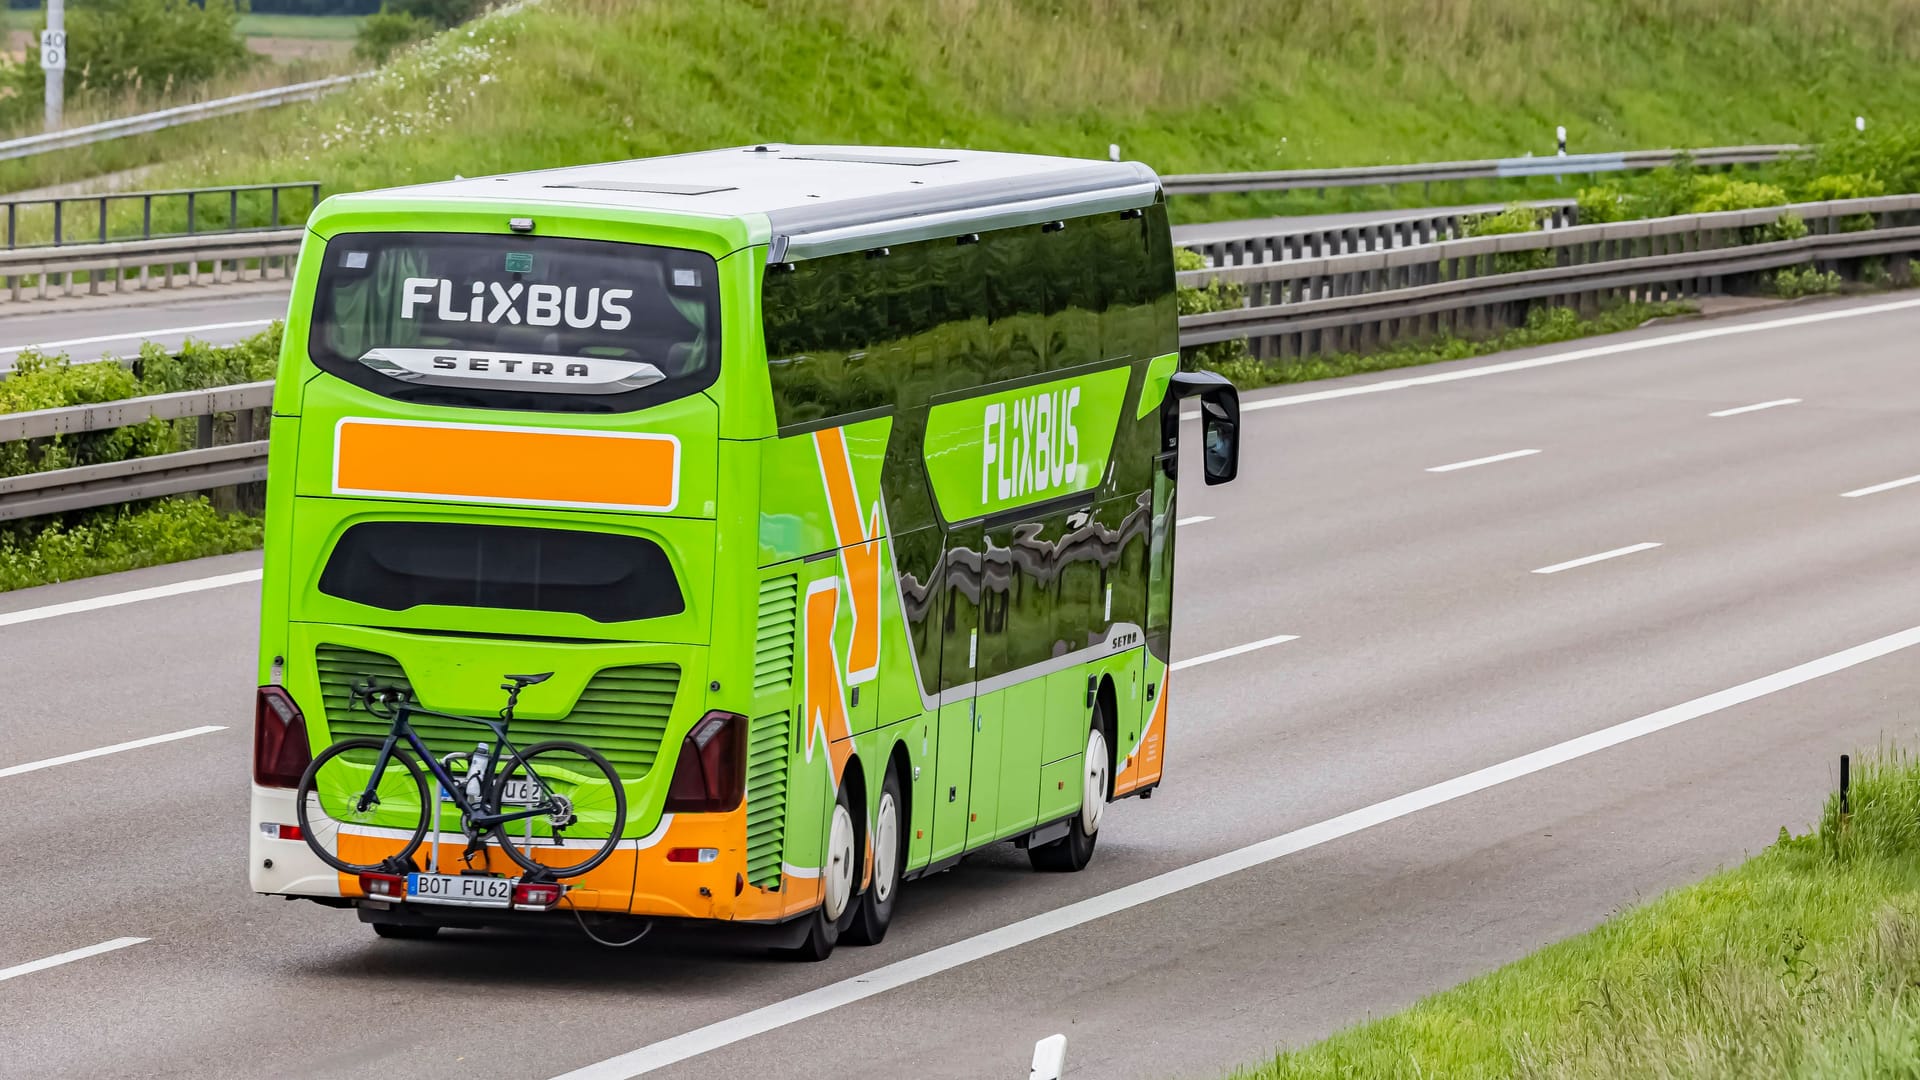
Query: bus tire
{"type": "Point", "coordinates": [874, 910]}
{"type": "Point", "coordinates": [825, 925]}
{"type": "Point", "coordinates": [1073, 851]}
{"type": "Point", "coordinates": [405, 932]}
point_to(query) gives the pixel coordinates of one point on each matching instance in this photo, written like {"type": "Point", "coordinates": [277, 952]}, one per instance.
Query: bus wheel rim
{"type": "Point", "coordinates": [886, 851]}
{"type": "Point", "coordinates": [839, 884]}
{"type": "Point", "coordinates": [1093, 802]}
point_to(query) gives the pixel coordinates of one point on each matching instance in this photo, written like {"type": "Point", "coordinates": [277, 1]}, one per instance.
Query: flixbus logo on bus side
{"type": "Point", "coordinates": [1030, 445]}
{"type": "Point", "coordinates": [1000, 450]}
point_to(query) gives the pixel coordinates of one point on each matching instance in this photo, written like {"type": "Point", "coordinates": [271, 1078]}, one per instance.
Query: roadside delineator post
{"type": "Point", "coordinates": [1049, 1058]}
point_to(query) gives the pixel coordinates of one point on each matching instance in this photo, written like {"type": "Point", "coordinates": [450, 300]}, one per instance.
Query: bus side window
{"type": "Point", "coordinates": [1016, 298]}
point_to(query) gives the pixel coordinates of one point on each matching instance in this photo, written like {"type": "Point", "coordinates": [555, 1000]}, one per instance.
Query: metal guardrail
{"type": "Point", "coordinates": [65, 227]}
{"type": "Point", "coordinates": [87, 134]}
{"type": "Point", "coordinates": [142, 264]}
{"type": "Point", "coordinates": [1301, 307]}
{"type": "Point", "coordinates": [1357, 302]}
{"type": "Point", "coordinates": [1382, 235]}
{"type": "Point", "coordinates": [203, 468]}
{"type": "Point", "coordinates": [1488, 169]}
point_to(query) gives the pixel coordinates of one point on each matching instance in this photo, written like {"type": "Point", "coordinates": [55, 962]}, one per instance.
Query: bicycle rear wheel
{"type": "Point", "coordinates": [329, 804]}
{"type": "Point", "coordinates": [585, 808]}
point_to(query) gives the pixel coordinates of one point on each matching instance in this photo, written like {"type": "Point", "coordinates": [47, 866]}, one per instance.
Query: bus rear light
{"type": "Point", "coordinates": [278, 831]}
{"type": "Point", "coordinates": [280, 751]}
{"type": "Point", "coordinates": [384, 886]}
{"type": "Point", "coordinates": [693, 854]}
{"type": "Point", "coordinates": [711, 775]}
{"type": "Point", "coordinates": [537, 895]}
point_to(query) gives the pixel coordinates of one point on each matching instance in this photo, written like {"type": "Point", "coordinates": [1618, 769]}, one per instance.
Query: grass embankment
{"type": "Point", "coordinates": [62, 547]}
{"type": "Point", "coordinates": [1206, 85]}
{"type": "Point", "coordinates": [1802, 962]}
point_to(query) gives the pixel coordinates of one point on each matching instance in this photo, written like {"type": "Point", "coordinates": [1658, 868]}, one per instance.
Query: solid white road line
{"type": "Point", "coordinates": [32, 966]}
{"type": "Point", "coordinates": [64, 759]}
{"type": "Point", "coordinates": [1613, 349]}
{"type": "Point", "coordinates": [1878, 488]}
{"type": "Point", "coordinates": [95, 603]}
{"type": "Point", "coordinates": [1208, 658]}
{"type": "Point", "coordinates": [914, 968]}
{"type": "Point", "coordinates": [1193, 520]}
{"type": "Point", "coordinates": [1614, 554]}
{"type": "Point", "coordinates": [1756, 408]}
{"type": "Point", "coordinates": [1508, 456]}
{"type": "Point", "coordinates": [43, 346]}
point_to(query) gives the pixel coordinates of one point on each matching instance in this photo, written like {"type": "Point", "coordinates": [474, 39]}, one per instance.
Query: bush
{"type": "Point", "coordinates": [45, 550]}
{"type": "Point", "coordinates": [1217, 296]}
{"type": "Point", "coordinates": [1604, 203]}
{"type": "Point", "coordinates": [388, 32]}
{"type": "Point", "coordinates": [51, 382]}
{"type": "Point", "coordinates": [1843, 186]}
{"type": "Point", "coordinates": [1792, 283]}
{"type": "Point", "coordinates": [1712, 194]}
{"type": "Point", "coordinates": [142, 46]}
{"type": "Point", "coordinates": [1508, 222]}
{"type": "Point", "coordinates": [441, 13]}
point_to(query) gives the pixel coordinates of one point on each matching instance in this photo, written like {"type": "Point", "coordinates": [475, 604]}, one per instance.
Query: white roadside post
{"type": "Point", "coordinates": [1113, 151]}
{"type": "Point", "coordinates": [1049, 1058]}
{"type": "Point", "coordinates": [1560, 138]}
{"type": "Point", "coordinates": [1859, 123]}
{"type": "Point", "coordinates": [53, 60]}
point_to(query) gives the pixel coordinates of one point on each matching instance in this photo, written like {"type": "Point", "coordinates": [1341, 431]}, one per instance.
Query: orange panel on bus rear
{"type": "Point", "coordinates": [487, 464]}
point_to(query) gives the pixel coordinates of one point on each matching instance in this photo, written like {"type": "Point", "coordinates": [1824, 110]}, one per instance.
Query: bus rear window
{"type": "Point", "coordinates": [516, 322]}
{"type": "Point", "coordinates": [607, 577]}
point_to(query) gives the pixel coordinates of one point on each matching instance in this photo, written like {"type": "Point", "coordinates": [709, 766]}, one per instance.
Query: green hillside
{"type": "Point", "coordinates": [1181, 84]}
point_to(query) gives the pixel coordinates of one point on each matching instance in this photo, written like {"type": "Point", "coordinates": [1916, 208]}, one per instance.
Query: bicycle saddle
{"type": "Point", "coordinates": [524, 681]}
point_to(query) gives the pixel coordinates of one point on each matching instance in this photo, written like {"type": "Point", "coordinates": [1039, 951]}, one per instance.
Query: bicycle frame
{"type": "Point", "coordinates": [480, 822]}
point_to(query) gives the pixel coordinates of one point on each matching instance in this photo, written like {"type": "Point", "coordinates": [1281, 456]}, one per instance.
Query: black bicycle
{"type": "Point", "coordinates": [350, 801]}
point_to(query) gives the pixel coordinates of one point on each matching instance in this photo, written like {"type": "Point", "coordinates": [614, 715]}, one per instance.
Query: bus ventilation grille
{"type": "Point", "coordinates": [622, 713]}
{"type": "Point", "coordinates": [773, 639]}
{"type": "Point", "coordinates": [767, 797]}
{"type": "Point", "coordinates": [768, 750]}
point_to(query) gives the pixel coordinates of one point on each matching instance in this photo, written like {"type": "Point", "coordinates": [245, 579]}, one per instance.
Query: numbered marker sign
{"type": "Point", "coordinates": [53, 50]}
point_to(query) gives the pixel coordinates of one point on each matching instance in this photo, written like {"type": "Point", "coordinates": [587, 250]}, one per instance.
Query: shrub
{"type": "Point", "coordinates": [40, 551]}
{"type": "Point", "coordinates": [1712, 194]}
{"type": "Point", "coordinates": [388, 32]}
{"type": "Point", "coordinates": [1791, 282]}
{"type": "Point", "coordinates": [1842, 186]}
{"type": "Point", "coordinates": [1511, 221]}
{"type": "Point", "coordinates": [1605, 203]}
{"type": "Point", "coordinates": [116, 46]}
{"type": "Point", "coordinates": [40, 381]}
{"type": "Point", "coordinates": [1217, 296]}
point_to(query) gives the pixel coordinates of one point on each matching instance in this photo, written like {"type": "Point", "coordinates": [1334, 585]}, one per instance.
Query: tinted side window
{"type": "Point", "coordinates": [606, 577]}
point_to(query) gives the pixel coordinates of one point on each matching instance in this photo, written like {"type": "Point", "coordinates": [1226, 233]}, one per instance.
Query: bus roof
{"type": "Point", "coordinates": [824, 200]}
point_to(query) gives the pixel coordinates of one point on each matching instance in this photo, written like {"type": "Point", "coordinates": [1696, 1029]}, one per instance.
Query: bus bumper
{"type": "Point", "coordinates": [285, 867]}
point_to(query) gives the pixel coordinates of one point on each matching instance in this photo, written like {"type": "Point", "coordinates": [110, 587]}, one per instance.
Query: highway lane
{"type": "Point", "coordinates": [91, 328]}
{"type": "Point", "coordinates": [1426, 650]}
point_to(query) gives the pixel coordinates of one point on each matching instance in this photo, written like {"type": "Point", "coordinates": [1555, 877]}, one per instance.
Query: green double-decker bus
{"type": "Point", "coordinates": [833, 485]}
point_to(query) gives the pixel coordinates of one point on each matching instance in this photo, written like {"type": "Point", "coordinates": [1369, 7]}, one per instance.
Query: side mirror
{"type": "Point", "coordinates": [1219, 421]}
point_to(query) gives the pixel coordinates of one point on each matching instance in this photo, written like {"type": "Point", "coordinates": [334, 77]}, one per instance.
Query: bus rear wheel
{"type": "Point", "coordinates": [875, 907]}
{"type": "Point", "coordinates": [838, 878]}
{"type": "Point", "coordinates": [1073, 851]}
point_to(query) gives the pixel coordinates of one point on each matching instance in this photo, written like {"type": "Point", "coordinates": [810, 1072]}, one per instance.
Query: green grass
{"type": "Point", "coordinates": [1802, 962]}
{"type": "Point", "coordinates": [1209, 84]}
{"type": "Point", "coordinates": [106, 541]}
{"type": "Point", "coordinates": [329, 27]}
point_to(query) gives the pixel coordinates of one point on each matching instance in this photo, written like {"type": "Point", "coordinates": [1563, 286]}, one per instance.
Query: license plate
{"type": "Point", "coordinates": [515, 793]}
{"type": "Point", "coordinates": [468, 890]}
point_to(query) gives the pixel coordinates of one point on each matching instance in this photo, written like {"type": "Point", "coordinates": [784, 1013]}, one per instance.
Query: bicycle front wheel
{"type": "Point", "coordinates": [347, 813]}
{"type": "Point", "coordinates": [580, 802]}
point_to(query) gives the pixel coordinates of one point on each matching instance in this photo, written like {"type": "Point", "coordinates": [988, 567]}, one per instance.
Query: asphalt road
{"type": "Point", "coordinates": [92, 328]}
{"type": "Point", "coordinates": [1405, 834]}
